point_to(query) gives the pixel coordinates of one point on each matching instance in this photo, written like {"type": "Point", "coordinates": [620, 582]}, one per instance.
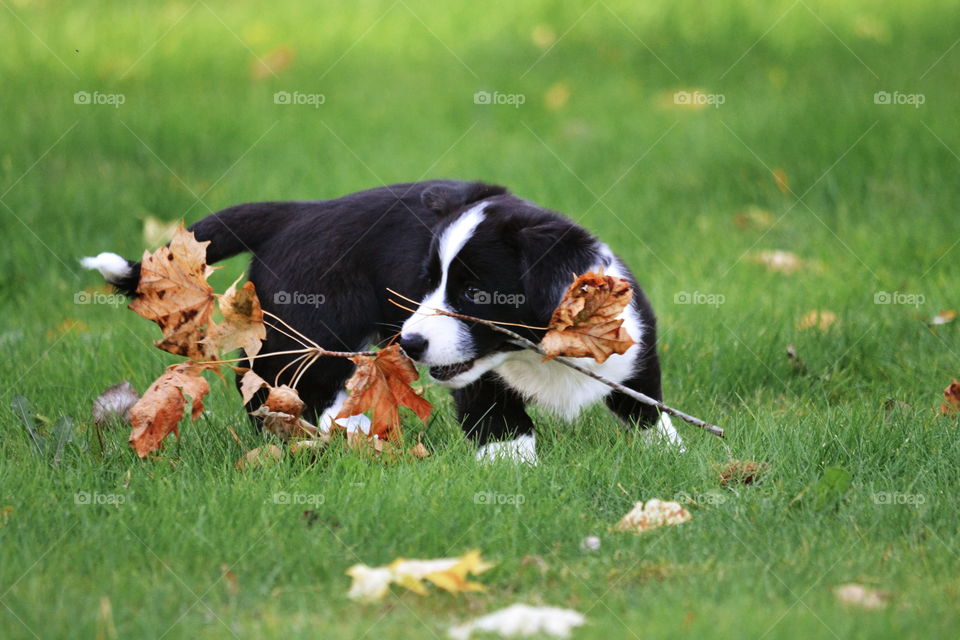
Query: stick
{"type": "Point", "coordinates": [636, 395]}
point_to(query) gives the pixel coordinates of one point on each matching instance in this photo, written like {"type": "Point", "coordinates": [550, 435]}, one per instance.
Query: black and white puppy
{"type": "Point", "coordinates": [325, 267]}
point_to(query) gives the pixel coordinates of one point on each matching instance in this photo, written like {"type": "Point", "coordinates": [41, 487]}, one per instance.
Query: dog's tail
{"type": "Point", "coordinates": [231, 231]}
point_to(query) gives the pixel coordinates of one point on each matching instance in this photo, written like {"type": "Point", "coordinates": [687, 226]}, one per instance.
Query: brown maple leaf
{"type": "Point", "coordinates": [382, 383]}
{"type": "Point", "coordinates": [242, 325]}
{"type": "Point", "coordinates": [173, 292]}
{"type": "Point", "coordinates": [586, 323]}
{"type": "Point", "coordinates": [160, 409]}
{"type": "Point", "coordinates": [951, 397]}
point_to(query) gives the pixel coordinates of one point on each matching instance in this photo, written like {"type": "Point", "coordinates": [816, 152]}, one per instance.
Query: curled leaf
{"type": "Point", "coordinates": [588, 321]}
{"type": "Point", "coordinates": [159, 411]}
{"type": "Point", "coordinates": [951, 399]}
{"type": "Point", "coordinates": [242, 325]}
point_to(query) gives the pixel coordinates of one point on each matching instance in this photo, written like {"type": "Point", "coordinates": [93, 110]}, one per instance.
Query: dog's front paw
{"type": "Point", "coordinates": [522, 449]}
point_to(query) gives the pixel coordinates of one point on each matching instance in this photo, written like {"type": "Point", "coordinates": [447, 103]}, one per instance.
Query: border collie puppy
{"type": "Point", "coordinates": [469, 247]}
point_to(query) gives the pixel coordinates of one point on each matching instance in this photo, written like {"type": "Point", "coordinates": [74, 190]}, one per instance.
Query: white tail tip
{"type": "Point", "coordinates": [112, 267]}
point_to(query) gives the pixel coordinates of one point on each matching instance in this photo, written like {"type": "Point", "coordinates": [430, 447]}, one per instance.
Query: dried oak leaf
{"type": "Point", "coordinates": [173, 292]}
{"type": "Point", "coordinates": [951, 397]}
{"type": "Point", "coordinates": [742, 472]}
{"type": "Point", "coordinates": [259, 457]}
{"type": "Point", "coordinates": [242, 325]}
{"type": "Point", "coordinates": [382, 383]}
{"type": "Point", "coordinates": [586, 323]}
{"type": "Point", "coordinates": [160, 409]}
{"type": "Point", "coordinates": [280, 413]}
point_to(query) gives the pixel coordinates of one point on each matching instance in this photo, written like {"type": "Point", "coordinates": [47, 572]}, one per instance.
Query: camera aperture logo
{"type": "Point", "coordinates": [300, 298]}
{"type": "Point", "coordinates": [698, 297]}
{"type": "Point", "coordinates": [498, 297]}
{"type": "Point", "coordinates": [494, 498]}
{"type": "Point", "coordinates": [496, 98]}
{"type": "Point", "coordinates": [898, 297]}
{"type": "Point", "coordinates": [299, 98]}
{"type": "Point", "coordinates": [96, 98]}
{"type": "Point", "coordinates": [282, 497]}
{"type": "Point", "coordinates": [897, 98]}
{"type": "Point", "coordinates": [98, 297]}
{"type": "Point", "coordinates": [84, 498]}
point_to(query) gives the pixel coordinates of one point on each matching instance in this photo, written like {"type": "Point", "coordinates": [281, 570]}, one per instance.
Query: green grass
{"type": "Point", "coordinates": [879, 198]}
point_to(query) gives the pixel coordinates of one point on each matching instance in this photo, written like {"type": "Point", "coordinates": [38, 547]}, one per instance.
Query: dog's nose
{"type": "Point", "coordinates": [414, 345]}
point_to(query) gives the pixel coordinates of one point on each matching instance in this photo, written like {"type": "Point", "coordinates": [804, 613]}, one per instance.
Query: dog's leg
{"type": "Point", "coordinates": [493, 415]}
{"type": "Point", "coordinates": [632, 412]}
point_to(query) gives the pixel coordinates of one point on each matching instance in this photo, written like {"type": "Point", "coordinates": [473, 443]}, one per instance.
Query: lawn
{"type": "Point", "coordinates": [827, 130]}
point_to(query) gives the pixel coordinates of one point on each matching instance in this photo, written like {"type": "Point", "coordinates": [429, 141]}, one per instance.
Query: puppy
{"type": "Point", "coordinates": [473, 248]}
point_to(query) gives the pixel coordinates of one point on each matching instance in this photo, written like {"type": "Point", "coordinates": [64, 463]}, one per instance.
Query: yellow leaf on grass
{"type": "Point", "coordinates": [450, 574]}
{"type": "Point", "coordinates": [820, 319]}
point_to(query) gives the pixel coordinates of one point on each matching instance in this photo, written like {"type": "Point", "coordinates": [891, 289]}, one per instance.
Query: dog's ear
{"type": "Point", "coordinates": [449, 197]}
{"type": "Point", "coordinates": [551, 255]}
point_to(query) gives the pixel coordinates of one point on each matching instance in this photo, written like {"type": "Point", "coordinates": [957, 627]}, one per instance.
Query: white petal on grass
{"type": "Point", "coordinates": [522, 620]}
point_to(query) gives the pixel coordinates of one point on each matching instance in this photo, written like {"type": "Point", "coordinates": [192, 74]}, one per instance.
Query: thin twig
{"type": "Point", "coordinates": [276, 378]}
{"type": "Point", "coordinates": [287, 325]}
{"type": "Point", "coordinates": [497, 322]}
{"type": "Point", "coordinates": [302, 369]}
{"type": "Point", "coordinates": [636, 395]}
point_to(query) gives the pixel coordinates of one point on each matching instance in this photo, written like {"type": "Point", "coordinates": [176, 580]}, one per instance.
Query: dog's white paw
{"type": "Point", "coordinates": [520, 450]}
{"type": "Point", "coordinates": [352, 424]}
{"type": "Point", "coordinates": [665, 432]}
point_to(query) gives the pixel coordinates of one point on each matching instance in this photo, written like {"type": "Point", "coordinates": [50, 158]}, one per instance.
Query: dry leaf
{"type": "Point", "coordinates": [272, 63]}
{"type": "Point", "coordinates": [160, 409]}
{"type": "Point", "coordinates": [419, 451]}
{"type": "Point", "coordinates": [587, 322]}
{"type": "Point", "coordinates": [820, 319]}
{"type": "Point", "coordinates": [173, 292]}
{"type": "Point", "coordinates": [259, 457]}
{"type": "Point", "coordinates": [242, 325]}
{"type": "Point", "coordinates": [951, 397]}
{"type": "Point", "coordinates": [777, 260]}
{"type": "Point", "coordinates": [522, 620]}
{"type": "Point", "coordinates": [861, 596]}
{"type": "Point", "coordinates": [372, 583]}
{"type": "Point", "coordinates": [780, 177]}
{"type": "Point", "coordinates": [382, 383]}
{"type": "Point", "coordinates": [284, 399]}
{"type": "Point", "coordinates": [250, 383]}
{"type": "Point", "coordinates": [284, 425]}
{"type": "Point", "coordinates": [742, 472]}
{"type": "Point", "coordinates": [652, 514]}
{"type": "Point", "coordinates": [115, 403]}
{"type": "Point", "coordinates": [943, 317]}
{"type": "Point", "coordinates": [557, 96]}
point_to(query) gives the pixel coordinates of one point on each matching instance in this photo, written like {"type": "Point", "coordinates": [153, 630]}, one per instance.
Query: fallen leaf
{"type": "Point", "coordinates": [780, 178]}
{"type": "Point", "coordinates": [250, 383]}
{"type": "Point", "coordinates": [173, 292]}
{"type": "Point", "coordinates": [284, 399]}
{"type": "Point", "coordinates": [861, 596]}
{"type": "Point", "coordinates": [260, 457]}
{"type": "Point", "coordinates": [284, 425]}
{"type": "Point", "coordinates": [587, 322]}
{"type": "Point", "coordinates": [557, 96]}
{"type": "Point", "coordinates": [951, 397]}
{"type": "Point", "coordinates": [522, 620]}
{"type": "Point", "coordinates": [381, 383]}
{"type": "Point", "coordinates": [419, 451]}
{"type": "Point", "coordinates": [742, 472]}
{"type": "Point", "coordinates": [115, 403]}
{"type": "Point", "coordinates": [372, 583]}
{"type": "Point", "coordinates": [242, 325]}
{"type": "Point", "coordinates": [160, 409]}
{"type": "Point", "coordinates": [944, 316]}
{"type": "Point", "coordinates": [272, 63]}
{"type": "Point", "coordinates": [652, 514]}
{"type": "Point", "coordinates": [820, 319]}
{"type": "Point", "coordinates": [157, 232]}
{"type": "Point", "coordinates": [777, 260]}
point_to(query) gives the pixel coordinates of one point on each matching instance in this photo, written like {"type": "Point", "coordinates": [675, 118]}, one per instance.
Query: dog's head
{"type": "Point", "coordinates": [497, 258]}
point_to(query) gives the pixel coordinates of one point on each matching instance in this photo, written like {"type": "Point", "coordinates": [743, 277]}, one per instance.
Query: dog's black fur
{"type": "Point", "coordinates": [338, 258]}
